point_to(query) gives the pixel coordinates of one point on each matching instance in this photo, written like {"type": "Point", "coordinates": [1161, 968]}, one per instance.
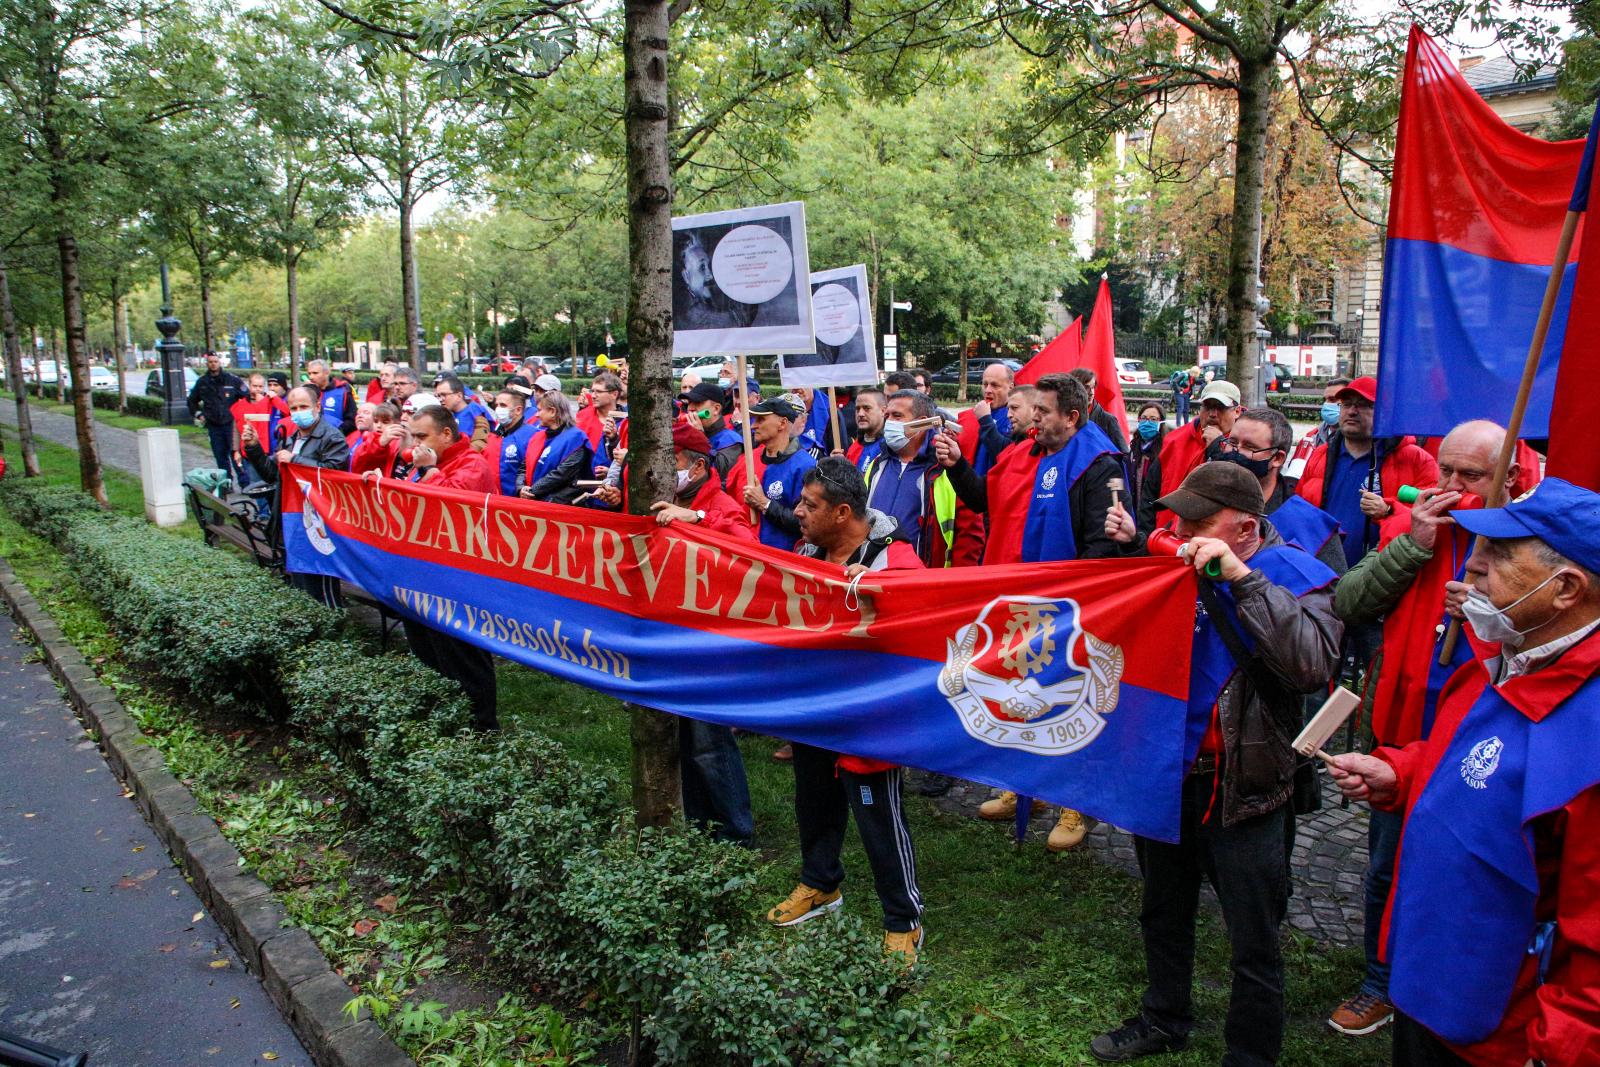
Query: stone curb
{"type": "Point", "coordinates": [294, 972]}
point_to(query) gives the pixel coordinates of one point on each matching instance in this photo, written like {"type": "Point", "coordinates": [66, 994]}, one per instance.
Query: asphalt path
{"type": "Point", "coordinates": [104, 947]}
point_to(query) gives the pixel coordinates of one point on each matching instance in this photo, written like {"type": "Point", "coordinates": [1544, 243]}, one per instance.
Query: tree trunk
{"type": "Point", "coordinates": [494, 317]}
{"type": "Point", "coordinates": [349, 350]}
{"type": "Point", "coordinates": [19, 384]}
{"type": "Point", "coordinates": [292, 279]}
{"type": "Point", "coordinates": [657, 791]}
{"type": "Point", "coordinates": [1257, 82]}
{"type": "Point", "coordinates": [207, 328]}
{"type": "Point", "coordinates": [117, 344]}
{"type": "Point", "coordinates": [89, 474]}
{"type": "Point", "coordinates": [61, 368]}
{"type": "Point", "coordinates": [408, 278]}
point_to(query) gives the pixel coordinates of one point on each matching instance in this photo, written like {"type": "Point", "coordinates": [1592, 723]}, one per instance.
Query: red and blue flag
{"type": "Point", "coordinates": [1475, 213]}
{"type": "Point", "coordinates": [1575, 412]}
{"type": "Point", "coordinates": [1055, 680]}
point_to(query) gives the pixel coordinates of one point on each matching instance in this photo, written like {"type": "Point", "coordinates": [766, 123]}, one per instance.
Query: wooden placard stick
{"type": "Point", "coordinates": [833, 417]}
{"type": "Point", "coordinates": [744, 425]}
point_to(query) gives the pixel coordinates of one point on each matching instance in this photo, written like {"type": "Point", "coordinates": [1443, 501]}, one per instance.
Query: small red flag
{"type": "Point", "coordinates": [1575, 408]}
{"type": "Point", "coordinates": [1100, 356]}
{"type": "Point", "coordinates": [1057, 357]}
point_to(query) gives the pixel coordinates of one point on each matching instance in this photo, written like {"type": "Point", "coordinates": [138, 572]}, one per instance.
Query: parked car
{"type": "Point", "coordinates": [1280, 380]}
{"type": "Point", "coordinates": [1132, 372]}
{"type": "Point", "coordinates": [103, 378]}
{"type": "Point", "coordinates": [153, 385]}
{"type": "Point", "coordinates": [951, 374]}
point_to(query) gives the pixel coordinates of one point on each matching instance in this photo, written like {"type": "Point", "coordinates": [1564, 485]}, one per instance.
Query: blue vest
{"type": "Point", "coordinates": [559, 448]}
{"type": "Point", "coordinates": [870, 450]}
{"type": "Point", "coordinates": [1210, 663]}
{"type": "Point", "coordinates": [725, 437]}
{"type": "Point", "coordinates": [1303, 524]}
{"type": "Point", "coordinates": [333, 406]}
{"type": "Point", "coordinates": [981, 460]}
{"type": "Point", "coordinates": [1047, 535]}
{"type": "Point", "coordinates": [1462, 914]}
{"type": "Point", "coordinates": [513, 454]}
{"type": "Point", "coordinates": [781, 482]}
{"type": "Point", "coordinates": [466, 418]}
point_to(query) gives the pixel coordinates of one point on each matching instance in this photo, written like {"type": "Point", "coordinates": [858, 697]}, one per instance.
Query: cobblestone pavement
{"type": "Point", "coordinates": [1330, 851]}
{"type": "Point", "coordinates": [119, 448]}
{"type": "Point", "coordinates": [1330, 856]}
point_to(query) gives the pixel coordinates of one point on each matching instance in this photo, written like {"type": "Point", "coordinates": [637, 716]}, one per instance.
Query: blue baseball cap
{"type": "Point", "coordinates": [1562, 515]}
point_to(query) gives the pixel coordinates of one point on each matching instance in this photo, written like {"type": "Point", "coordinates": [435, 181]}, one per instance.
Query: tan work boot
{"type": "Point", "coordinates": [1003, 808]}
{"type": "Point", "coordinates": [1069, 831]}
{"type": "Point", "coordinates": [802, 904]}
{"type": "Point", "coordinates": [907, 944]}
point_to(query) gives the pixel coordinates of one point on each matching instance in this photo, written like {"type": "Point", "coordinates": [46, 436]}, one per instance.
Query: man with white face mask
{"type": "Point", "coordinates": [515, 430]}
{"type": "Point", "coordinates": [1493, 926]}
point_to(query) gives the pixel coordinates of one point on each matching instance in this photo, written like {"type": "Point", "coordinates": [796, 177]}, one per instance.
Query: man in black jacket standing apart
{"type": "Point", "coordinates": [210, 401]}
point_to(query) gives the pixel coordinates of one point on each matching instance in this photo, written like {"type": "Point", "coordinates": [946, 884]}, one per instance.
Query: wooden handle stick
{"type": "Point", "coordinates": [743, 383]}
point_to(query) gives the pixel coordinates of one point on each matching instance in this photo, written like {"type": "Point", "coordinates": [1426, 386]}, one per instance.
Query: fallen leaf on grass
{"type": "Point", "coordinates": [387, 903]}
{"type": "Point", "coordinates": [363, 927]}
{"type": "Point", "coordinates": [129, 883]}
{"type": "Point", "coordinates": [217, 964]}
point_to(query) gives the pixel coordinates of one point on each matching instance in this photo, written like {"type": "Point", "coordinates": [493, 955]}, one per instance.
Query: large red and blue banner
{"type": "Point", "coordinates": [1475, 212]}
{"type": "Point", "coordinates": [1575, 411]}
{"type": "Point", "coordinates": [1065, 681]}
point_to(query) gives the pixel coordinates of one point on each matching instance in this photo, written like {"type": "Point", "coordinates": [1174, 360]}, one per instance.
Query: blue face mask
{"type": "Point", "coordinates": [1148, 428]}
{"type": "Point", "coordinates": [894, 435]}
{"type": "Point", "coordinates": [304, 419]}
{"type": "Point", "coordinates": [1330, 413]}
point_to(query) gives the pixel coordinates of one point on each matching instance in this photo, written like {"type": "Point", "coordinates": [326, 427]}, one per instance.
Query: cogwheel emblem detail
{"type": "Point", "coordinates": [1027, 623]}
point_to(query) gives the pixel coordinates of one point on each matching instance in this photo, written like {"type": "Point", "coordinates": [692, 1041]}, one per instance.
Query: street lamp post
{"type": "Point", "coordinates": [175, 401]}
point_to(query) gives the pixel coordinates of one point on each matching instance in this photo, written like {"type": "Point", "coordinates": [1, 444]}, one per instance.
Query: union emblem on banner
{"type": "Point", "coordinates": [1026, 675]}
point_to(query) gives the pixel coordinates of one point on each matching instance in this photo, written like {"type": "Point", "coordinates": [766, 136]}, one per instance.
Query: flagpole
{"type": "Point", "coordinates": [744, 426]}
{"type": "Point", "coordinates": [1530, 370]}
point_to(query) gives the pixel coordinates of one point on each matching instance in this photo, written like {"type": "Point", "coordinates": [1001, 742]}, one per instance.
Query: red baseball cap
{"type": "Point", "coordinates": [689, 438]}
{"type": "Point", "coordinates": [1366, 387]}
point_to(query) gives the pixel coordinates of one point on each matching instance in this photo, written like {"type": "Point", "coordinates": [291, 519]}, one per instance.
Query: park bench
{"type": "Point", "coordinates": [236, 523]}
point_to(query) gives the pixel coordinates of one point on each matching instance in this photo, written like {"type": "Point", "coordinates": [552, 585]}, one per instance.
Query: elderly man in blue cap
{"type": "Point", "coordinates": [1493, 924]}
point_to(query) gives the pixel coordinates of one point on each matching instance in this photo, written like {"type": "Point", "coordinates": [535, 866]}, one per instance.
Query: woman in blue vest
{"type": "Point", "coordinates": [566, 456]}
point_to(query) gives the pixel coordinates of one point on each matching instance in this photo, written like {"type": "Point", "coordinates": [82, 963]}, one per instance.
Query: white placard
{"type": "Point", "coordinates": [739, 282]}
{"type": "Point", "coordinates": [841, 310]}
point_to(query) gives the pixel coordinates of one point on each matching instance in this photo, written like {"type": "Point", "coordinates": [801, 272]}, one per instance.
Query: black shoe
{"type": "Point", "coordinates": [935, 785]}
{"type": "Point", "coordinates": [1135, 1039]}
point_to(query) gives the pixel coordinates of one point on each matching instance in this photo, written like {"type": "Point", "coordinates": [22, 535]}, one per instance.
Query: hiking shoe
{"type": "Point", "coordinates": [1362, 1014]}
{"type": "Point", "coordinates": [1068, 832]}
{"type": "Point", "coordinates": [1135, 1039]}
{"type": "Point", "coordinates": [907, 943]}
{"type": "Point", "coordinates": [1003, 808]}
{"type": "Point", "coordinates": [803, 904]}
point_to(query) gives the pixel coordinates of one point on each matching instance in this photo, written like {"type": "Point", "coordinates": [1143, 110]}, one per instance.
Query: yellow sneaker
{"type": "Point", "coordinates": [1003, 808]}
{"type": "Point", "coordinates": [803, 904]}
{"type": "Point", "coordinates": [1069, 831]}
{"type": "Point", "coordinates": [907, 944]}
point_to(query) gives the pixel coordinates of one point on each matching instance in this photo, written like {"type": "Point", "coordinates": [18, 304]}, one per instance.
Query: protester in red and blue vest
{"type": "Point", "coordinates": [380, 450]}
{"type": "Point", "coordinates": [1265, 635]}
{"type": "Point", "coordinates": [986, 426]}
{"type": "Point", "coordinates": [452, 395]}
{"type": "Point", "coordinates": [516, 433]}
{"type": "Point", "coordinates": [338, 402]}
{"type": "Point", "coordinates": [871, 407]}
{"type": "Point", "coordinates": [1260, 442]}
{"type": "Point", "coordinates": [716, 793]}
{"type": "Point", "coordinates": [1186, 448]}
{"type": "Point", "coordinates": [781, 465]}
{"type": "Point", "coordinates": [444, 458]}
{"type": "Point", "coordinates": [907, 483]}
{"type": "Point", "coordinates": [1492, 931]}
{"type": "Point", "coordinates": [845, 536]}
{"type": "Point", "coordinates": [261, 408]}
{"type": "Point", "coordinates": [364, 428]}
{"type": "Point", "coordinates": [1046, 500]}
{"type": "Point", "coordinates": [560, 451]}
{"type": "Point", "coordinates": [1413, 584]}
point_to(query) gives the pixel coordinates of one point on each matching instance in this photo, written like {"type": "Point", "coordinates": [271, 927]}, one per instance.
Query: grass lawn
{"type": "Point", "coordinates": [1029, 955]}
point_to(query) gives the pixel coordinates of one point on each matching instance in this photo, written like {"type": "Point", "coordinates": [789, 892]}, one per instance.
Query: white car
{"type": "Point", "coordinates": [103, 378]}
{"type": "Point", "coordinates": [1132, 372]}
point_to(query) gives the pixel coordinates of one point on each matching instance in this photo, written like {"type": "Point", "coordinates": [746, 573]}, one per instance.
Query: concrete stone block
{"type": "Point", "coordinates": [161, 476]}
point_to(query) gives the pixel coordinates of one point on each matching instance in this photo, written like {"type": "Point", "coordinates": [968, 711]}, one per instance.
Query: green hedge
{"type": "Point", "coordinates": [656, 929]}
{"type": "Point", "coordinates": [148, 407]}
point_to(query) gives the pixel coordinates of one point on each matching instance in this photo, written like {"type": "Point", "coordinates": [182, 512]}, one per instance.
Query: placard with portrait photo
{"type": "Point", "coordinates": [841, 314]}
{"type": "Point", "coordinates": [740, 282]}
